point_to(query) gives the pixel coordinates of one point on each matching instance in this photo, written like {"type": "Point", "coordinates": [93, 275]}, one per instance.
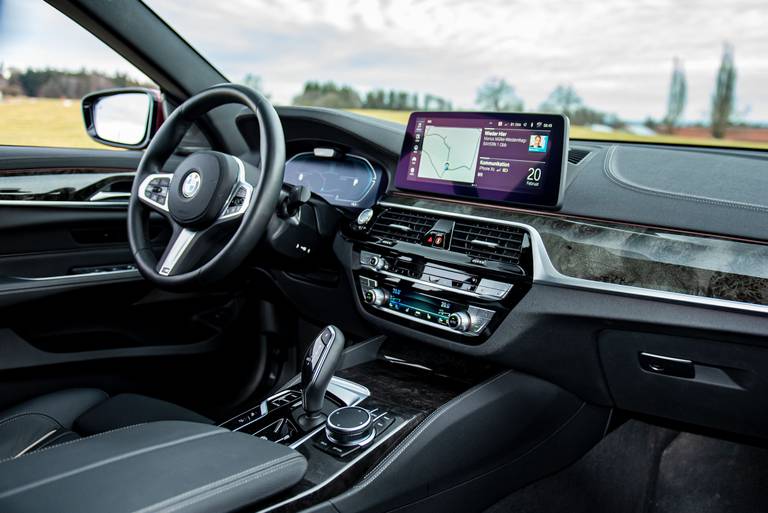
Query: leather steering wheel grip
{"type": "Point", "coordinates": [267, 182]}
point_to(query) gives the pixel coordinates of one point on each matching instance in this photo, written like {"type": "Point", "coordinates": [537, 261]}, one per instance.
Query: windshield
{"type": "Point", "coordinates": [671, 71]}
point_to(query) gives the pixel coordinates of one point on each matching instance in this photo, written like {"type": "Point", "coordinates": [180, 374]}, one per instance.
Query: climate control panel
{"type": "Point", "coordinates": [424, 308]}
{"type": "Point", "coordinates": [440, 273]}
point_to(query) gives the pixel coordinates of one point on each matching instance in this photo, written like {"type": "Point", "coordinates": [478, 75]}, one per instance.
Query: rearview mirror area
{"type": "Point", "coordinates": [124, 118]}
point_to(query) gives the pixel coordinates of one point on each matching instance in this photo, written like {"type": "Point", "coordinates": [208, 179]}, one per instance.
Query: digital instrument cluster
{"type": "Point", "coordinates": [342, 180]}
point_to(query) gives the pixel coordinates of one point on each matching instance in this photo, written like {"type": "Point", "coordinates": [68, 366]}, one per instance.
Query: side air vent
{"type": "Point", "coordinates": [496, 242]}
{"type": "Point", "coordinates": [576, 155]}
{"type": "Point", "coordinates": [402, 225]}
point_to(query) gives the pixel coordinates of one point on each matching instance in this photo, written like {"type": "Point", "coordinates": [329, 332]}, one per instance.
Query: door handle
{"type": "Point", "coordinates": [667, 365]}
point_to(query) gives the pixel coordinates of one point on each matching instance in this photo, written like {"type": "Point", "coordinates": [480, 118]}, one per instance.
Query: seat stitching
{"type": "Point", "coordinates": [198, 496]}
{"type": "Point", "coordinates": [176, 498]}
{"type": "Point", "coordinates": [609, 170]}
{"type": "Point", "coordinates": [75, 441]}
{"type": "Point", "coordinates": [105, 461]}
{"type": "Point", "coordinates": [17, 416]}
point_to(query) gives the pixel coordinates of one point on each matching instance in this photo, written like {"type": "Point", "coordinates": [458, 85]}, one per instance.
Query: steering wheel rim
{"type": "Point", "coordinates": [195, 224]}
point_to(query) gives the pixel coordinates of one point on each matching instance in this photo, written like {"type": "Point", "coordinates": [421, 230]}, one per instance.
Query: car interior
{"type": "Point", "coordinates": [281, 308]}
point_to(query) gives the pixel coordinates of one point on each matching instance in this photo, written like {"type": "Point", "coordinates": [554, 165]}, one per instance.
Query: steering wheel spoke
{"type": "Point", "coordinates": [154, 191]}
{"type": "Point", "coordinates": [184, 250]}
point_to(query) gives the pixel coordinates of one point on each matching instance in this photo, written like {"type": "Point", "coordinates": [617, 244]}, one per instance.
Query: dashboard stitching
{"type": "Point", "coordinates": [610, 173]}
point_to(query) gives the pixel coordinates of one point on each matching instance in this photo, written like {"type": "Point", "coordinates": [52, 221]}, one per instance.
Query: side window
{"type": "Point", "coordinates": [47, 64]}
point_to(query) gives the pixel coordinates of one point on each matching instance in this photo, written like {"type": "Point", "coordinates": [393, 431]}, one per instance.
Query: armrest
{"type": "Point", "coordinates": [159, 466]}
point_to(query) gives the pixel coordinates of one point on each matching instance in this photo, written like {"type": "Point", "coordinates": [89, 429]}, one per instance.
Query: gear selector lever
{"type": "Point", "coordinates": [320, 362]}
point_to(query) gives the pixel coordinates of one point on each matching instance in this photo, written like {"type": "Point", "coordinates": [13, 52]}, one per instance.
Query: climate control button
{"type": "Point", "coordinates": [376, 296]}
{"type": "Point", "coordinates": [460, 321]}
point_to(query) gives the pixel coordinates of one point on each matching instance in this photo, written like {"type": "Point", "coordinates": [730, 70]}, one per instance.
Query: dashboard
{"type": "Point", "coordinates": [655, 249]}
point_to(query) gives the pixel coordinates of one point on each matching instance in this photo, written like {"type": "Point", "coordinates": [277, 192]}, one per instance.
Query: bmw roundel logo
{"type": "Point", "coordinates": [191, 185]}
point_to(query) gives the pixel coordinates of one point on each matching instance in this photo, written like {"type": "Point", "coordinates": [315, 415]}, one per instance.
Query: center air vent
{"type": "Point", "coordinates": [488, 241]}
{"type": "Point", "coordinates": [402, 225]}
{"type": "Point", "coordinates": [477, 239]}
{"type": "Point", "coordinates": [576, 155]}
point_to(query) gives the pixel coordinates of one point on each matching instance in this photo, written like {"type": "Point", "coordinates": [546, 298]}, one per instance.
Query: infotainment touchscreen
{"type": "Point", "coordinates": [498, 157]}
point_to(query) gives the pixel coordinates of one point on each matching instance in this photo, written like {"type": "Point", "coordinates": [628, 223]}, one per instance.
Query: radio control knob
{"type": "Point", "coordinates": [375, 297]}
{"type": "Point", "coordinates": [460, 321]}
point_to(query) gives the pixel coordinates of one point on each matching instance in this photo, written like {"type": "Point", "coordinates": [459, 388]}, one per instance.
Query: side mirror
{"type": "Point", "coordinates": [125, 118]}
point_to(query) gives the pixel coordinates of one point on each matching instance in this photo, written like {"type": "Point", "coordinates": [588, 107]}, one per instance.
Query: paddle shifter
{"type": "Point", "coordinates": [319, 364]}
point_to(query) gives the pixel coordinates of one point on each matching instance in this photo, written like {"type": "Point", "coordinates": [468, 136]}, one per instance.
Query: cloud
{"type": "Point", "coordinates": [618, 55]}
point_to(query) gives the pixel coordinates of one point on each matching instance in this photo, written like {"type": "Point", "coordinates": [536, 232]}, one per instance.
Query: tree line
{"type": "Point", "coordinates": [333, 95]}
{"type": "Point", "coordinates": [498, 95]}
{"type": "Point", "coordinates": [495, 94]}
{"type": "Point", "coordinates": [54, 83]}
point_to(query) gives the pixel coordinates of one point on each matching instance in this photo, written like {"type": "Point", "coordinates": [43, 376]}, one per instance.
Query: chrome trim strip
{"type": "Point", "coordinates": [484, 243]}
{"type": "Point", "coordinates": [127, 272]}
{"type": "Point", "coordinates": [436, 285]}
{"type": "Point", "coordinates": [35, 444]}
{"type": "Point", "coordinates": [176, 251]}
{"type": "Point", "coordinates": [545, 273]}
{"type": "Point", "coordinates": [666, 358]}
{"type": "Point", "coordinates": [104, 196]}
{"type": "Point", "coordinates": [62, 204]}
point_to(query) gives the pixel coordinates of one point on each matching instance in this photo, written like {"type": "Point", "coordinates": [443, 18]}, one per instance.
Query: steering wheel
{"type": "Point", "coordinates": [205, 196]}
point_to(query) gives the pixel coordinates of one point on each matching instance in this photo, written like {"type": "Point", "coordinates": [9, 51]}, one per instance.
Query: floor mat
{"type": "Point", "coordinates": [642, 468]}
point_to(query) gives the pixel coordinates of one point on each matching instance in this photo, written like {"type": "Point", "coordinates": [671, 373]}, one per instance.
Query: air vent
{"type": "Point", "coordinates": [489, 241]}
{"type": "Point", "coordinates": [402, 225]}
{"type": "Point", "coordinates": [575, 155]}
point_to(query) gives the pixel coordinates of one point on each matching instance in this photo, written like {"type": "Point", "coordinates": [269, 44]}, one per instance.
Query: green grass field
{"type": "Point", "coordinates": [59, 123]}
{"type": "Point", "coordinates": [43, 122]}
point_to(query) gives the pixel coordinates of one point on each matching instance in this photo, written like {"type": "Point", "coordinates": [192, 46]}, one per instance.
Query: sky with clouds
{"type": "Point", "coordinates": [617, 54]}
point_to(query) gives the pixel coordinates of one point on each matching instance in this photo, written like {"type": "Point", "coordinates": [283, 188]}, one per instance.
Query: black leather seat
{"type": "Point", "coordinates": [70, 414]}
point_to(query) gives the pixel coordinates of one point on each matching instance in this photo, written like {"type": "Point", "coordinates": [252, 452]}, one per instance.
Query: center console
{"type": "Point", "coordinates": [402, 422]}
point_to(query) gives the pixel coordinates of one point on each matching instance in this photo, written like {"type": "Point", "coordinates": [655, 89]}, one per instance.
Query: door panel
{"type": "Point", "coordinates": [73, 309]}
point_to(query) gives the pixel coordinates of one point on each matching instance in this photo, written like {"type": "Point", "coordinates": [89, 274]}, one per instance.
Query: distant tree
{"type": "Point", "coordinates": [496, 94]}
{"type": "Point", "coordinates": [563, 100]}
{"type": "Point", "coordinates": [650, 123]}
{"type": "Point", "coordinates": [403, 100]}
{"type": "Point", "coordinates": [254, 82]}
{"type": "Point", "coordinates": [723, 99]}
{"type": "Point", "coordinates": [328, 94]}
{"type": "Point", "coordinates": [392, 100]}
{"type": "Point", "coordinates": [678, 90]}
